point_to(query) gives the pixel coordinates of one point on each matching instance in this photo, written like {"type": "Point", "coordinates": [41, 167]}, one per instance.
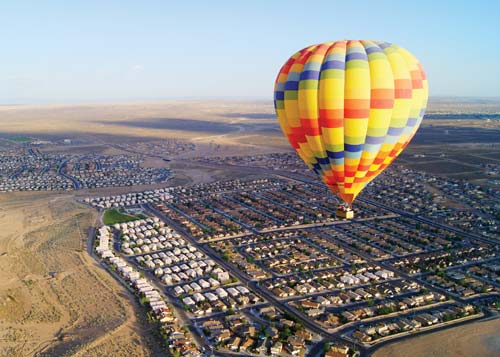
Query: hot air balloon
{"type": "Point", "coordinates": [349, 108]}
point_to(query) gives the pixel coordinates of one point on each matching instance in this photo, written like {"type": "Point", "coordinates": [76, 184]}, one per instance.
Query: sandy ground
{"type": "Point", "coordinates": [481, 339]}
{"type": "Point", "coordinates": [200, 121]}
{"type": "Point", "coordinates": [54, 299]}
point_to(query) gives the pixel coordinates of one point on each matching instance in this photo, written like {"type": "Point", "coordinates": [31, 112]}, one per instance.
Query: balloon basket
{"type": "Point", "coordinates": [345, 212]}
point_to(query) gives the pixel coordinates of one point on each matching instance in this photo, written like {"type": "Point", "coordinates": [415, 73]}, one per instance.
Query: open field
{"type": "Point", "coordinates": [478, 339]}
{"type": "Point", "coordinates": [192, 120]}
{"type": "Point", "coordinates": [52, 292]}
{"type": "Point", "coordinates": [113, 216]}
{"type": "Point", "coordinates": [20, 139]}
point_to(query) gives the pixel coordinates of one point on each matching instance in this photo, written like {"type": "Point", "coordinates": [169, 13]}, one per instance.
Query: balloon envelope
{"type": "Point", "coordinates": [349, 108]}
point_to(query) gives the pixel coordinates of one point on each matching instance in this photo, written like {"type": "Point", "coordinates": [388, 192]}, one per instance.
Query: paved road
{"type": "Point", "coordinates": [16, 174]}
{"type": "Point", "coordinates": [201, 342]}
{"type": "Point", "coordinates": [307, 180]}
{"type": "Point", "coordinates": [327, 336]}
{"type": "Point", "coordinates": [76, 184]}
{"type": "Point", "coordinates": [243, 204]}
{"type": "Point", "coordinates": [397, 271]}
{"type": "Point", "coordinates": [429, 221]}
{"type": "Point", "coordinates": [242, 277]}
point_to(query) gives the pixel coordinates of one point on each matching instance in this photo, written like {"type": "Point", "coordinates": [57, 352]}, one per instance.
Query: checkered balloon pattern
{"type": "Point", "coordinates": [349, 108]}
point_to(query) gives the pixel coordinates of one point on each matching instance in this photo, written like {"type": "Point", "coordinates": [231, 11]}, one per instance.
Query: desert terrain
{"type": "Point", "coordinates": [54, 299]}
{"type": "Point", "coordinates": [214, 123]}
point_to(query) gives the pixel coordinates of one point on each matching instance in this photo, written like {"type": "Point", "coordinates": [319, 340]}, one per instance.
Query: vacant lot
{"type": "Point", "coordinates": [54, 299]}
{"type": "Point", "coordinates": [478, 339]}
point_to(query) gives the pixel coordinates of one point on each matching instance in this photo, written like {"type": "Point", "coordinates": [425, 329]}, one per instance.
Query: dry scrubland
{"type": "Point", "coordinates": [221, 123]}
{"type": "Point", "coordinates": [54, 300]}
{"type": "Point", "coordinates": [223, 127]}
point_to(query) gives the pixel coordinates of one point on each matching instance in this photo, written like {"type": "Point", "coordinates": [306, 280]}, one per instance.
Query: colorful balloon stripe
{"type": "Point", "coordinates": [349, 108]}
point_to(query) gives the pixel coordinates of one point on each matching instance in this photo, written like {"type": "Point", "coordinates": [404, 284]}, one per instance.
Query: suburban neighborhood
{"type": "Point", "coordinates": [264, 267]}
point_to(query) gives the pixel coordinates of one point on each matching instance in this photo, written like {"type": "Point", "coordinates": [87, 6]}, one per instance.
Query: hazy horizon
{"type": "Point", "coordinates": [98, 101]}
{"type": "Point", "coordinates": [114, 51]}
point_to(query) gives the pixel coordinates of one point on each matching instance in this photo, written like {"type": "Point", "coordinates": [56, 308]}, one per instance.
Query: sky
{"type": "Point", "coordinates": [105, 50]}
